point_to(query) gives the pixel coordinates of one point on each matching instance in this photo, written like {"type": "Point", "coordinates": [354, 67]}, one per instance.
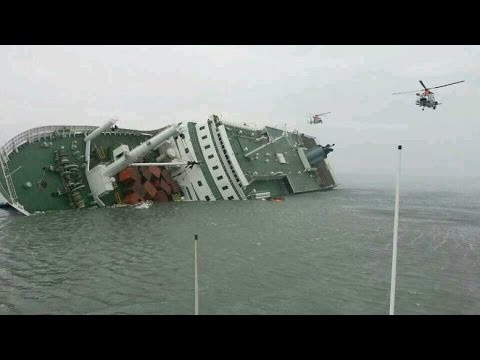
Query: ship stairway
{"type": "Point", "coordinates": [100, 152]}
{"type": "Point", "coordinates": [12, 195]}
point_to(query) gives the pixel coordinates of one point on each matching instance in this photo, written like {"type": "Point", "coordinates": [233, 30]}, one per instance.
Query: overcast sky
{"type": "Point", "coordinates": [147, 87]}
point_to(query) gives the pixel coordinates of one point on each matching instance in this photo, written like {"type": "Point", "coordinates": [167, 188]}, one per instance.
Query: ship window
{"type": "Point", "coordinates": [210, 156]}
{"type": "Point", "coordinates": [202, 127]}
{"type": "Point", "coordinates": [230, 197]}
{"type": "Point", "coordinates": [225, 187]}
{"type": "Point", "coordinates": [204, 137]}
{"type": "Point", "coordinates": [207, 198]}
{"type": "Point", "coordinates": [220, 177]}
{"type": "Point", "coordinates": [215, 167]}
{"type": "Point", "coordinates": [186, 150]}
{"type": "Point", "coordinates": [207, 147]}
{"type": "Point", "coordinates": [199, 183]}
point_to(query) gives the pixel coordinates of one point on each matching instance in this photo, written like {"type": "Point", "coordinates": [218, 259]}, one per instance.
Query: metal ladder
{"type": "Point", "coordinates": [8, 178]}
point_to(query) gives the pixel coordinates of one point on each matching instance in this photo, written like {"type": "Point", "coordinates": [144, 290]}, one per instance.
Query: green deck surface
{"type": "Point", "coordinates": [302, 182]}
{"type": "Point", "coordinates": [27, 166]}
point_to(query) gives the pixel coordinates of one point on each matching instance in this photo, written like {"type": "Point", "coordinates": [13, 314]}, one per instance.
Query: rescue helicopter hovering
{"type": "Point", "coordinates": [426, 97]}
{"type": "Point", "coordinates": [316, 118]}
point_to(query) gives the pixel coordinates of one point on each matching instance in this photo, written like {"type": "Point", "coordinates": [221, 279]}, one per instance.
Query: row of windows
{"type": "Point", "coordinates": [228, 159]}
{"type": "Point", "coordinates": [211, 156]}
{"type": "Point", "coordinates": [198, 182]}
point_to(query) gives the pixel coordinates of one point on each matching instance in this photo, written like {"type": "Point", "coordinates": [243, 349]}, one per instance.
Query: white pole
{"type": "Point", "coordinates": [161, 164]}
{"type": "Point", "coordinates": [395, 233]}
{"type": "Point", "coordinates": [196, 276]}
{"type": "Point", "coordinates": [99, 130]}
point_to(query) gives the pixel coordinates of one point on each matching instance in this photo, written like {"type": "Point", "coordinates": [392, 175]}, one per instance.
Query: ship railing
{"type": "Point", "coordinates": [309, 137]}
{"type": "Point", "coordinates": [10, 193]}
{"type": "Point", "coordinates": [247, 127]}
{"type": "Point", "coordinates": [38, 133]}
{"type": "Point", "coordinates": [35, 134]}
{"type": "Point", "coordinates": [4, 193]}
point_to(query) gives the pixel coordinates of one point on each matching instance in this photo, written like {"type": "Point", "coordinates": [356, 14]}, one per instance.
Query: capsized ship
{"type": "Point", "coordinates": [75, 167]}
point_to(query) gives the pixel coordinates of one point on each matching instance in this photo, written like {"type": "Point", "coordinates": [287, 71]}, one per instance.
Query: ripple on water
{"type": "Point", "coordinates": [321, 253]}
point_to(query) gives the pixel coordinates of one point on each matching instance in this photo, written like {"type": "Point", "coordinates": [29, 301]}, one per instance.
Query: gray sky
{"type": "Point", "coordinates": [147, 87]}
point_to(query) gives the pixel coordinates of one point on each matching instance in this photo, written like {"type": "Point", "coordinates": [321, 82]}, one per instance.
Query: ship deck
{"type": "Point", "coordinates": [27, 163]}
{"type": "Point", "coordinates": [293, 170]}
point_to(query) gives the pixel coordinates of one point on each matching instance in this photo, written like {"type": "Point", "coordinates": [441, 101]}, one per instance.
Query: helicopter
{"type": "Point", "coordinates": [316, 119]}
{"type": "Point", "coordinates": [426, 97]}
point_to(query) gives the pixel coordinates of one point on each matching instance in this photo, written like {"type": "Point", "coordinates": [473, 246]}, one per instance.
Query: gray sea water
{"type": "Point", "coordinates": [317, 253]}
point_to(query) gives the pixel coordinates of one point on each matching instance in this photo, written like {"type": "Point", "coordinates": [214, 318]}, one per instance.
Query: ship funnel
{"type": "Point", "coordinates": [318, 153]}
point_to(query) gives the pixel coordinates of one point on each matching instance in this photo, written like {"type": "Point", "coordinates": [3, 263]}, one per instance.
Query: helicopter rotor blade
{"type": "Point", "coordinates": [312, 114]}
{"type": "Point", "coordinates": [421, 82]}
{"type": "Point", "coordinates": [406, 92]}
{"type": "Point", "coordinates": [457, 82]}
